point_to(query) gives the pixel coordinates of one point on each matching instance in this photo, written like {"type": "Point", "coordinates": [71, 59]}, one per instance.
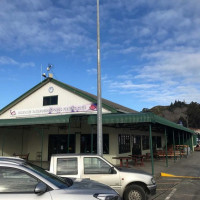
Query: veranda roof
{"type": "Point", "coordinates": [62, 119]}
{"type": "Point", "coordinates": [137, 118]}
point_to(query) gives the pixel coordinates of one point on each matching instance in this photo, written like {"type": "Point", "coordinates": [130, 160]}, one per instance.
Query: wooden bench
{"type": "Point", "coordinates": [162, 154]}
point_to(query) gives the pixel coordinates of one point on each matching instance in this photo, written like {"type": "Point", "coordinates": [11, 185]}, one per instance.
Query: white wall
{"type": "Point", "coordinates": [10, 141]}
{"type": "Point", "coordinates": [35, 100]}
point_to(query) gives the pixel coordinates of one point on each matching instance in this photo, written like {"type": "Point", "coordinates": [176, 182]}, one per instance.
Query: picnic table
{"type": "Point", "coordinates": [138, 159]}
{"type": "Point", "coordinates": [170, 154]}
{"type": "Point", "coordinates": [123, 158]}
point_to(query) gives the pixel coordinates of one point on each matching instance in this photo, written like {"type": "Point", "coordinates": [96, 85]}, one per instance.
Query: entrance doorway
{"type": "Point", "coordinates": [136, 149]}
{"type": "Point", "coordinates": [59, 144]}
{"type": "Point", "coordinates": [89, 143]}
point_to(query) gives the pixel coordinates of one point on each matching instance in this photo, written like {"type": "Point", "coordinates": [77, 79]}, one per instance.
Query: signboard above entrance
{"type": "Point", "coordinates": [54, 110]}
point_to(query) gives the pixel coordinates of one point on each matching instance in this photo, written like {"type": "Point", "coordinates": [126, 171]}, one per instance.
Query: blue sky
{"type": "Point", "coordinates": [150, 52]}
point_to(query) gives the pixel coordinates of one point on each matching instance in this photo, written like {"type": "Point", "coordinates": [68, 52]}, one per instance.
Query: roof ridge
{"type": "Point", "coordinates": [117, 107]}
{"type": "Point", "coordinates": [107, 104]}
{"type": "Point", "coordinates": [24, 95]}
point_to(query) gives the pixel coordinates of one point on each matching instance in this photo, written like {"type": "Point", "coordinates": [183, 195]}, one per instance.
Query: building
{"type": "Point", "coordinates": [54, 117]}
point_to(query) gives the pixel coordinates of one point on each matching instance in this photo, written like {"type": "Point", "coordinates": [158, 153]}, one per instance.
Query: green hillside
{"type": "Point", "coordinates": [179, 112]}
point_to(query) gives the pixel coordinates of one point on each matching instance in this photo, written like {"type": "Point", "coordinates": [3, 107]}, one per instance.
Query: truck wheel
{"type": "Point", "coordinates": [135, 192]}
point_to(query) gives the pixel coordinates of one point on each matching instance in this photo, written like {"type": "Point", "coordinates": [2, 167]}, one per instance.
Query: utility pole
{"type": "Point", "coordinates": [99, 101]}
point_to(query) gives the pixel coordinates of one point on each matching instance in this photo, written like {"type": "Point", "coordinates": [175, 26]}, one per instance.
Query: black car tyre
{"type": "Point", "coordinates": [135, 192]}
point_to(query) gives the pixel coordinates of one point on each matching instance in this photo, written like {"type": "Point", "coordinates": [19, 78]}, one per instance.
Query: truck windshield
{"type": "Point", "coordinates": [58, 181]}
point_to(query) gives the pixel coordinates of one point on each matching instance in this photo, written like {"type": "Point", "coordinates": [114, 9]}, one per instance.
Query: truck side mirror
{"type": "Point", "coordinates": [112, 170]}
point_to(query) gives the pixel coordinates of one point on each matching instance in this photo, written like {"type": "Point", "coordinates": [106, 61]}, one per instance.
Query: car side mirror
{"type": "Point", "coordinates": [40, 188]}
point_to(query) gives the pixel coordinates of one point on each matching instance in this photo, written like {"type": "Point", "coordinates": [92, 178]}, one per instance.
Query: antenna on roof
{"type": "Point", "coordinates": [41, 72]}
{"type": "Point", "coordinates": [44, 75]}
{"type": "Point", "coordinates": [50, 75]}
{"type": "Point", "coordinates": [49, 67]}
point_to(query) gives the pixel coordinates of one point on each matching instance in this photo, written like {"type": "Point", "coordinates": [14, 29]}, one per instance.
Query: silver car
{"type": "Point", "coordinates": [21, 180]}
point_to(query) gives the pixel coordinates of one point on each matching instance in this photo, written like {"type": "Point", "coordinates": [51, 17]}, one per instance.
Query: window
{"type": "Point", "coordinates": [67, 166]}
{"type": "Point", "coordinates": [156, 140]}
{"type": "Point", "coordinates": [55, 180]}
{"type": "Point", "coordinates": [124, 143]}
{"type": "Point", "coordinates": [16, 181]}
{"type": "Point", "coordinates": [159, 144]}
{"type": "Point", "coordinates": [145, 142]}
{"type": "Point", "coordinates": [94, 165]}
{"type": "Point", "coordinates": [50, 100]}
{"type": "Point", "coordinates": [89, 143]}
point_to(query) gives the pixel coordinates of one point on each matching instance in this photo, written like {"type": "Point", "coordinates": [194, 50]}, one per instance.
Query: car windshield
{"type": "Point", "coordinates": [58, 181]}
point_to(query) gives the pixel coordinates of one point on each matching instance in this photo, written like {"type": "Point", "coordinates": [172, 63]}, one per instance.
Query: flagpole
{"type": "Point", "coordinates": [99, 100]}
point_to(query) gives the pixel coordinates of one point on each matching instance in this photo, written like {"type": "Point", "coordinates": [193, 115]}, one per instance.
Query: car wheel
{"type": "Point", "coordinates": [135, 192]}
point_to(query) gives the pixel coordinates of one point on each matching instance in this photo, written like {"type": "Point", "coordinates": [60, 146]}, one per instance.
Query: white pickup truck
{"type": "Point", "coordinates": [129, 183]}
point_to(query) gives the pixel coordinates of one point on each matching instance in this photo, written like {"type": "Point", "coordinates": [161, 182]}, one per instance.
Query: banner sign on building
{"type": "Point", "coordinates": [54, 110]}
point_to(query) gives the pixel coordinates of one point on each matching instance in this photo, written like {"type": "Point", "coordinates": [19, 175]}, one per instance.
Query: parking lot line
{"type": "Point", "coordinates": [171, 194]}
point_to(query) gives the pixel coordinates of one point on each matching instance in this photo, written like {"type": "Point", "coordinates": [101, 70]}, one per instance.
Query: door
{"type": "Point", "coordinates": [61, 144]}
{"type": "Point", "coordinates": [18, 185]}
{"type": "Point", "coordinates": [136, 149]}
{"type": "Point", "coordinates": [97, 169]}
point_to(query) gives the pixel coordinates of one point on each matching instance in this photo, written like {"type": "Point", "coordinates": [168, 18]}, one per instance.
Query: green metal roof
{"type": "Point", "coordinates": [23, 96]}
{"type": "Point", "coordinates": [136, 118]}
{"type": "Point", "coordinates": [60, 119]}
{"type": "Point", "coordinates": [109, 105]}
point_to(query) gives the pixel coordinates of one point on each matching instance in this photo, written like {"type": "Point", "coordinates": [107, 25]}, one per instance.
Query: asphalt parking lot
{"type": "Point", "coordinates": [186, 181]}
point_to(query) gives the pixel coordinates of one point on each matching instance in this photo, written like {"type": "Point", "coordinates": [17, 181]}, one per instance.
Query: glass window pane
{"type": "Point", "coordinates": [61, 144]}
{"type": "Point", "coordinates": [95, 166]}
{"type": "Point", "coordinates": [124, 143]}
{"type": "Point", "coordinates": [145, 142]}
{"type": "Point", "coordinates": [156, 142]}
{"type": "Point", "coordinates": [54, 100]}
{"type": "Point", "coordinates": [15, 181]}
{"type": "Point", "coordinates": [159, 144]}
{"type": "Point", "coordinates": [105, 143]}
{"type": "Point", "coordinates": [89, 143]}
{"type": "Point", "coordinates": [50, 100]}
{"type": "Point", "coordinates": [67, 166]}
{"type": "Point", "coordinates": [46, 101]}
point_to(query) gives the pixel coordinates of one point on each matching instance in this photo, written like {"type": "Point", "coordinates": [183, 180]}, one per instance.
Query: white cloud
{"type": "Point", "coordinates": [44, 25]}
{"type": "Point", "coordinates": [172, 65]}
{"type": "Point", "coordinates": [163, 25]}
{"type": "Point", "coordinates": [59, 25]}
{"type": "Point", "coordinates": [128, 85]}
{"type": "Point", "coordinates": [7, 61]}
{"type": "Point", "coordinates": [169, 76]}
{"type": "Point", "coordinates": [92, 71]}
{"type": "Point", "coordinates": [4, 61]}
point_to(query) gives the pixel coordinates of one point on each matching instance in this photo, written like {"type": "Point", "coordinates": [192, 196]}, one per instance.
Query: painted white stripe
{"type": "Point", "coordinates": [171, 194]}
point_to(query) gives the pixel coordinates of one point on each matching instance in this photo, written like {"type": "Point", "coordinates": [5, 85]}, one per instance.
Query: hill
{"type": "Point", "coordinates": [179, 112]}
